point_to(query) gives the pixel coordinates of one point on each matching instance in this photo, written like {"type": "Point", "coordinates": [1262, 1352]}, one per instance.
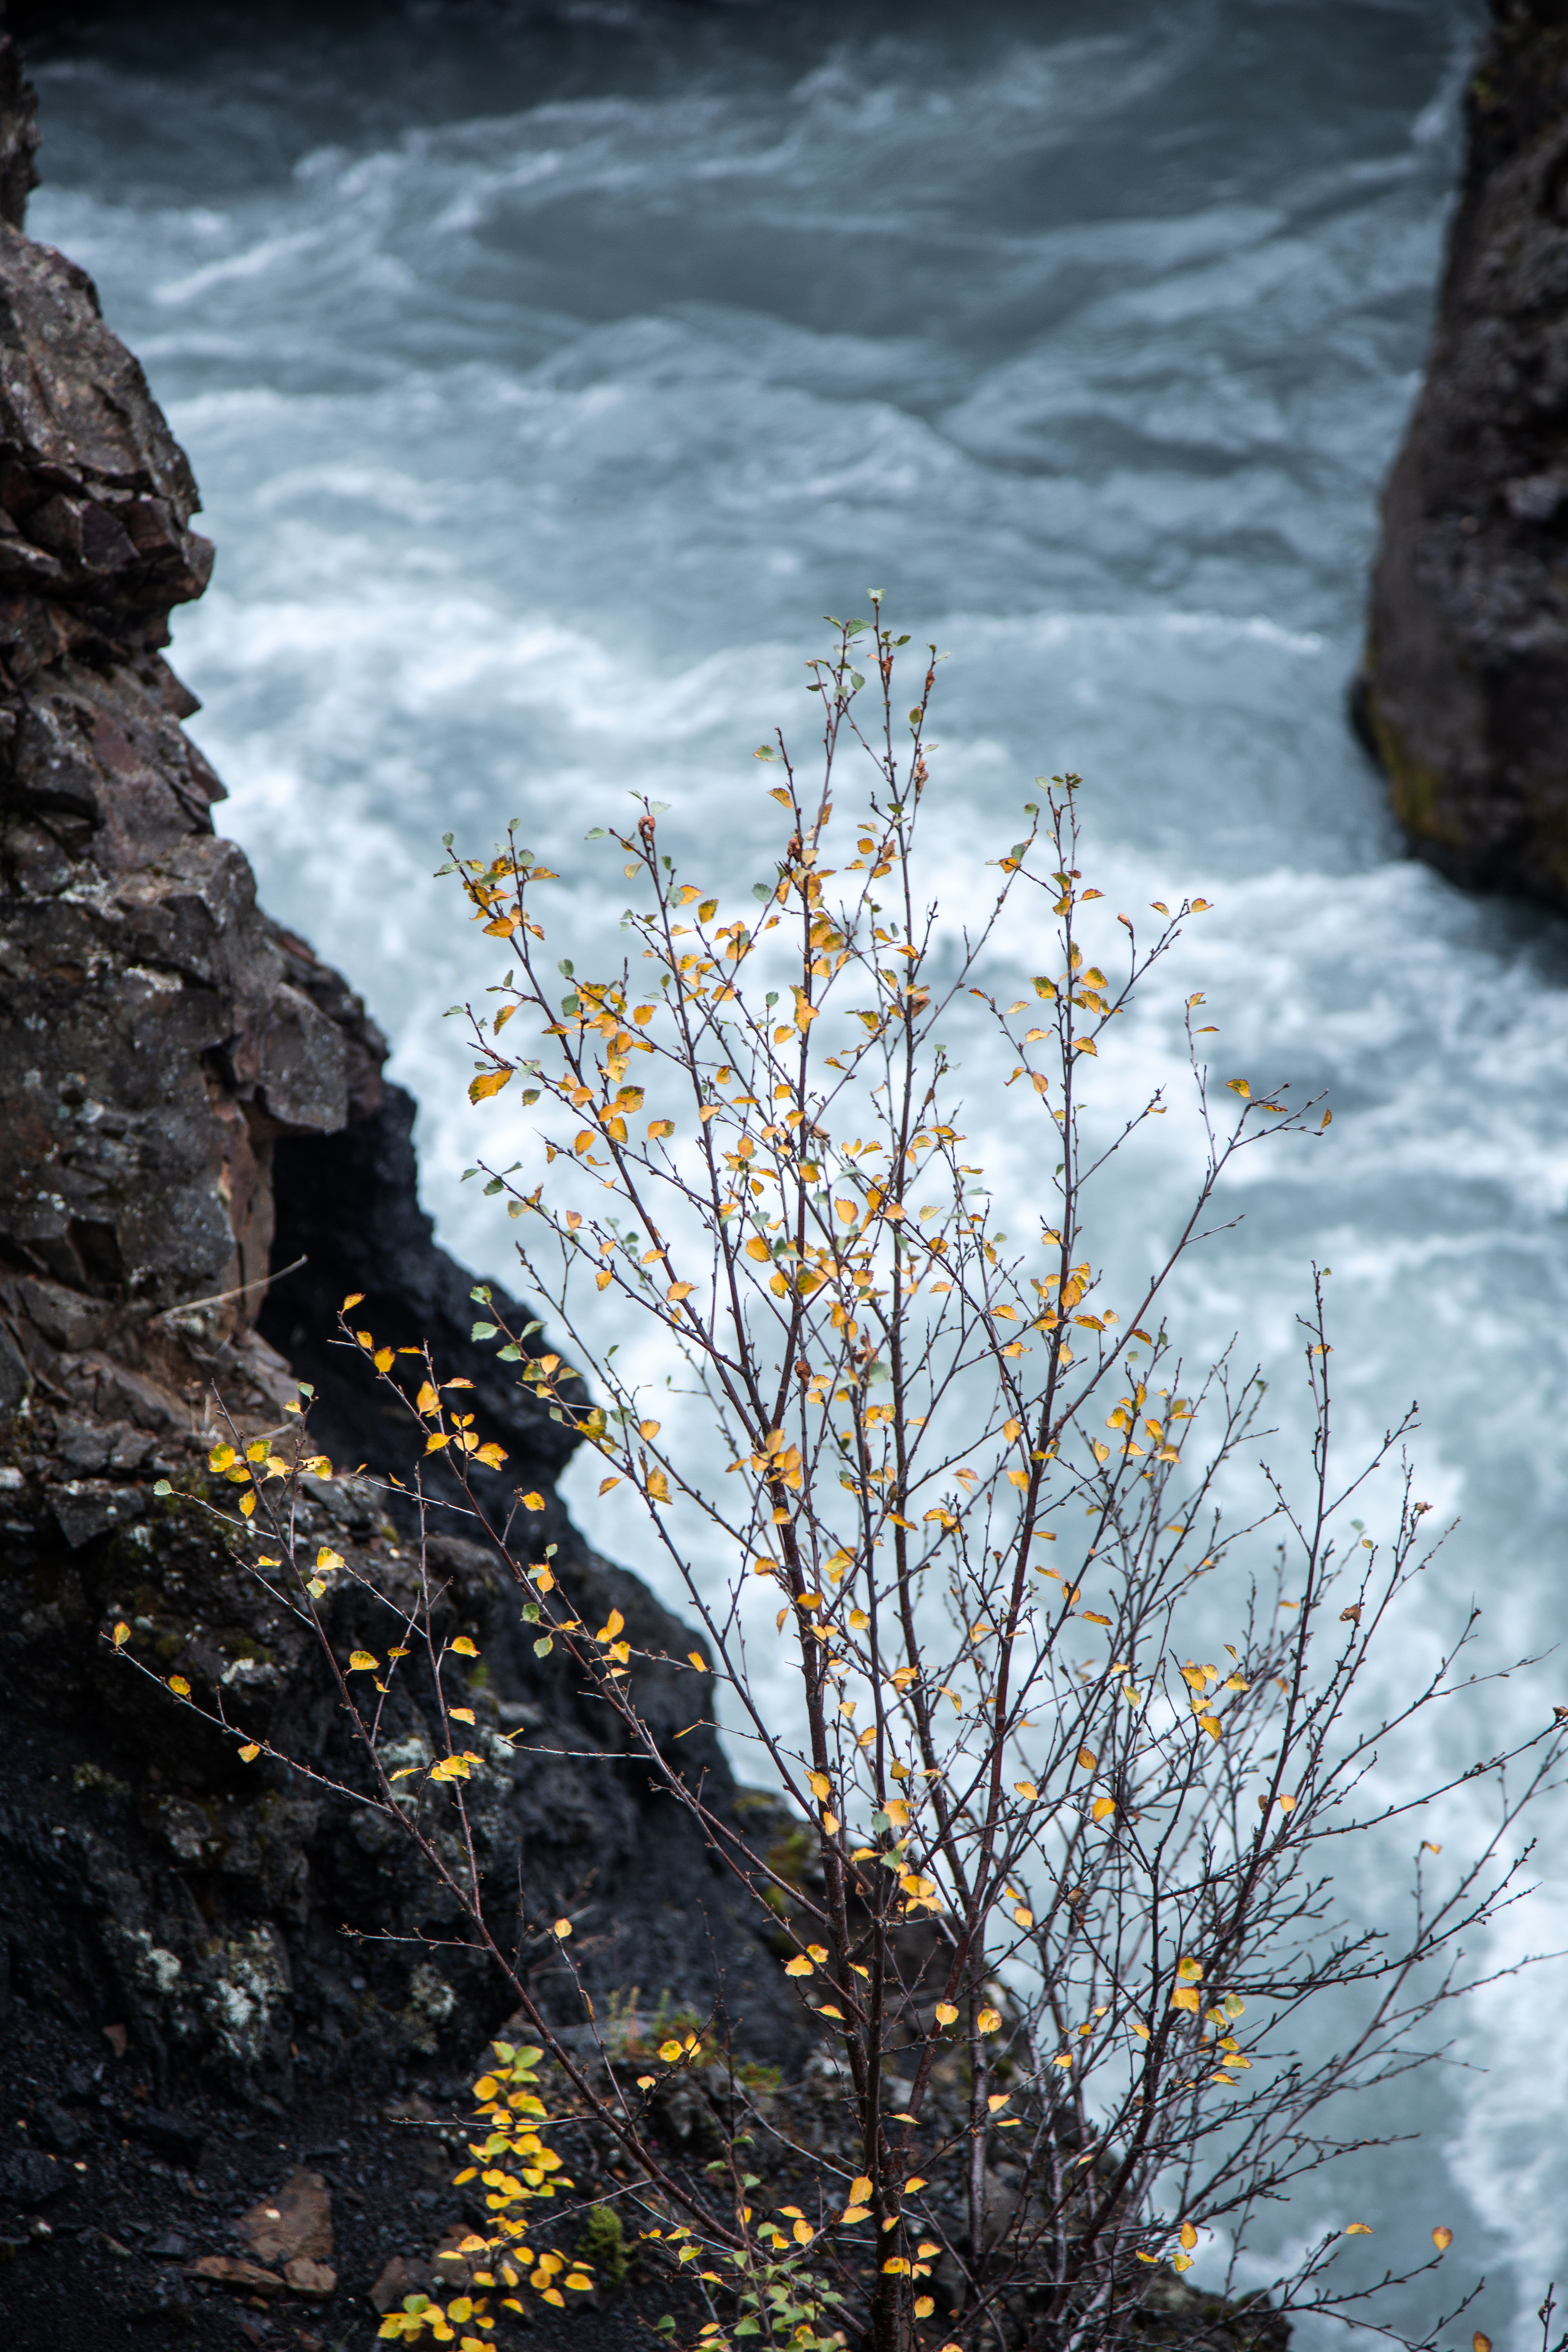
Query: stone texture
{"type": "Point", "coordinates": [1464, 693]}
{"type": "Point", "coordinates": [296, 2221]}
{"type": "Point", "coordinates": [188, 1097]}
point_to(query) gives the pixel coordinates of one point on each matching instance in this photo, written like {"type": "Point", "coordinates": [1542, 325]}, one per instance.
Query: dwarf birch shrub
{"type": "Point", "coordinates": [1068, 1935]}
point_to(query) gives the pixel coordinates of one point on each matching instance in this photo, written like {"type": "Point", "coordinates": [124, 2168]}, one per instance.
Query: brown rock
{"type": "Point", "coordinates": [1464, 693]}
{"type": "Point", "coordinates": [296, 2224]}
{"type": "Point", "coordinates": [398, 2278]}
{"type": "Point", "coordinates": [306, 2277]}
{"type": "Point", "coordinates": [228, 2270]}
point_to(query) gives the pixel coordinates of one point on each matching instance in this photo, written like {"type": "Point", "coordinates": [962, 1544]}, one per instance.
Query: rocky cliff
{"type": "Point", "coordinates": [189, 1099]}
{"type": "Point", "coordinates": [1464, 693]}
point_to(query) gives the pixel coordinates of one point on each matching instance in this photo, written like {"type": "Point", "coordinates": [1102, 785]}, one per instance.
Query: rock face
{"type": "Point", "coordinates": [189, 1096]}
{"type": "Point", "coordinates": [1464, 694]}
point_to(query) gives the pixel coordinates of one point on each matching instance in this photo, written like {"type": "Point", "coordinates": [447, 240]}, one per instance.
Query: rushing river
{"type": "Point", "coordinates": [548, 379]}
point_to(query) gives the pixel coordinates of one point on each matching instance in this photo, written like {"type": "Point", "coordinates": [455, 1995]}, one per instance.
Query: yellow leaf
{"type": "Point", "coordinates": [1363, 2230]}
{"type": "Point", "coordinates": [1239, 1086]}
{"type": "Point", "coordinates": [1026, 1789]}
{"type": "Point", "coordinates": [363, 1662]}
{"type": "Point", "coordinates": [1442, 2239]}
{"type": "Point", "coordinates": [179, 1686]}
{"type": "Point", "coordinates": [799, 1967]}
{"type": "Point", "coordinates": [463, 1648]}
{"type": "Point", "coordinates": [1189, 2236]}
{"type": "Point", "coordinates": [819, 1784]}
{"type": "Point", "coordinates": [450, 1768]}
{"type": "Point", "coordinates": [679, 1290]}
{"type": "Point", "coordinates": [1101, 1807]}
{"type": "Point", "coordinates": [327, 1560]}
{"type": "Point", "coordinates": [1088, 1759]}
{"type": "Point", "coordinates": [249, 1752]}
{"type": "Point", "coordinates": [660, 1127]}
{"type": "Point", "coordinates": [1190, 1969]}
{"type": "Point", "coordinates": [757, 1248]}
{"type": "Point", "coordinates": [1186, 1997]}
{"type": "Point", "coordinates": [533, 1502]}
{"type": "Point", "coordinates": [121, 1634]}
{"type": "Point", "coordinates": [945, 2013]}
{"type": "Point", "coordinates": [659, 1487]}
{"type": "Point", "coordinates": [489, 1082]}
{"type": "Point", "coordinates": [698, 1660]}
{"type": "Point", "coordinates": [1023, 1917]}
{"type": "Point", "coordinates": [561, 1929]}
{"type": "Point", "coordinates": [1093, 1617]}
{"type": "Point", "coordinates": [461, 1714]}
{"type": "Point", "coordinates": [492, 1454]}
{"type": "Point", "coordinates": [434, 1444]}
{"type": "Point", "coordinates": [428, 1400]}
{"type": "Point", "coordinates": [989, 2021]}
{"type": "Point", "coordinates": [384, 1359]}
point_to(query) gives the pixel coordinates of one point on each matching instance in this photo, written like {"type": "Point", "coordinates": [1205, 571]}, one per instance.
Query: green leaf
{"type": "Point", "coordinates": [484, 1330]}
{"type": "Point", "coordinates": [542, 1649]}
{"type": "Point", "coordinates": [162, 1487]}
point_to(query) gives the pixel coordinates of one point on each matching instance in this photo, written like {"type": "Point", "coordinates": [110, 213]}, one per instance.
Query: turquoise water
{"type": "Point", "coordinates": [547, 379]}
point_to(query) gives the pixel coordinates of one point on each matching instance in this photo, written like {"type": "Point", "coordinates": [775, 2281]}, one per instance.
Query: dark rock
{"type": "Point", "coordinates": [57, 2129]}
{"type": "Point", "coordinates": [161, 2302]}
{"type": "Point", "coordinates": [179, 2140]}
{"type": "Point", "coordinates": [190, 1099]}
{"type": "Point", "coordinates": [86, 1507]}
{"type": "Point", "coordinates": [1464, 693]}
{"type": "Point", "coordinates": [168, 2246]}
{"type": "Point", "coordinates": [29, 2179]}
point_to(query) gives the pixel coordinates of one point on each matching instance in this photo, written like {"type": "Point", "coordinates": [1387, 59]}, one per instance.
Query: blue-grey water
{"type": "Point", "coordinates": [548, 376]}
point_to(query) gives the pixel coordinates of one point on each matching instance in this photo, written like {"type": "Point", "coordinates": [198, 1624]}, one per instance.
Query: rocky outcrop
{"type": "Point", "coordinates": [189, 1098]}
{"type": "Point", "coordinates": [1464, 693]}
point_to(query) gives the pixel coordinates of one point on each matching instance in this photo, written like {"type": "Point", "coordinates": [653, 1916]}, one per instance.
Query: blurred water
{"type": "Point", "coordinates": [549, 375]}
